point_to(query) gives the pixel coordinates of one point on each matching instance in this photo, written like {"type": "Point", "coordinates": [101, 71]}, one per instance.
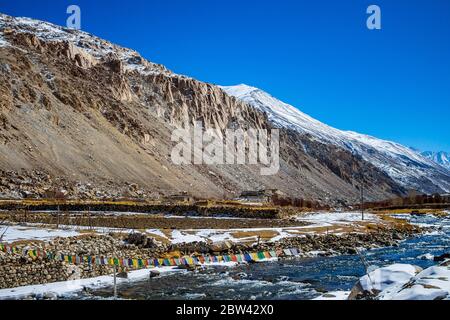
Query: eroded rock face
{"type": "Point", "coordinates": [188, 99]}
{"type": "Point", "coordinates": [88, 112]}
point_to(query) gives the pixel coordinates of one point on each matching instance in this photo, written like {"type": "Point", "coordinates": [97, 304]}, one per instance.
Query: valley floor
{"type": "Point", "coordinates": [308, 224]}
{"type": "Point", "coordinates": [323, 233]}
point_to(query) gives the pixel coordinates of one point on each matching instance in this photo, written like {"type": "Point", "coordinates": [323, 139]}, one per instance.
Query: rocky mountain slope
{"type": "Point", "coordinates": [92, 119]}
{"type": "Point", "coordinates": [442, 158]}
{"type": "Point", "coordinates": [405, 166]}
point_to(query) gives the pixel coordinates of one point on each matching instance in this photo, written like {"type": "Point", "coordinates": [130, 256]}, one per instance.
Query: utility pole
{"type": "Point", "coordinates": [362, 200]}
{"type": "Point", "coordinates": [57, 218]}
{"type": "Point", "coordinates": [115, 282]}
{"type": "Point", "coordinates": [89, 218]}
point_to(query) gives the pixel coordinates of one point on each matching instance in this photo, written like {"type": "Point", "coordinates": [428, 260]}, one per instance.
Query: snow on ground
{"type": "Point", "coordinates": [326, 219]}
{"type": "Point", "coordinates": [179, 237]}
{"type": "Point", "coordinates": [17, 233]}
{"type": "Point", "coordinates": [431, 284]}
{"type": "Point", "coordinates": [215, 235]}
{"type": "Point", "coordinates": [3, 42]}
{"type": "Point", "coordinates": [411, 219]}
{"type": "Point", "coordinates": [71, 288]}
{"type": "Point", "coordinates": [403, 282]}
{"type": "Point", "coordinates": [314, 220]}
{"type": "Point", "coordinates": [395, 275]}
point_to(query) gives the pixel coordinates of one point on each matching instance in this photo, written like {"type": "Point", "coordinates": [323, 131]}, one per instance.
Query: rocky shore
{"type": "Point", "coordinates": [17, 270]}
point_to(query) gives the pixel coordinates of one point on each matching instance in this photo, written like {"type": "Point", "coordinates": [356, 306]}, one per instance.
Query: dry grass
{"type": "Point", "coordinates": [387, 218]}
{"type": "Point", "coordinates": [172, 254]}
{"type": "Point", "coordinates": [87, 231]}
{"type": "Point", "coordinates": [408, 211]}
{"type": "Point", "coordinates": [329, 230]}
{"type": "Point", "coordinates": [440, 214]}
{"type": "Point", "coordinates": [85, 235]}
{"type": "Point", "coordinates": [263, 234]}
{"type": "Point", "coordinates": [399, 224]}
{"type": "Point", "coordinates": [429, 286]}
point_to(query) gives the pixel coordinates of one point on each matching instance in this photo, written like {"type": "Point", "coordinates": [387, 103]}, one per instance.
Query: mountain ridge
{"type": "Point", "coordinates": [401, 163]}
{"type": "Point", "coordinates": [92, 118]}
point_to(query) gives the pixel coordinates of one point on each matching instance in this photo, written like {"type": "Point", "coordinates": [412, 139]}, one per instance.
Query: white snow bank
{"type": "Point", "coordinates": [3, 42]}
{"type": "Point", "coordinates": [430, 284]}
{"type": "Point", "coordinates": [178, 237]}
{"type": "Point", "coordinates": [17, 233]}
{"type": "Point", "coordinates": [330, 218]}
{"type": "Point", "coordinates": [388, 277]}
{"type": "Point", "coordinates": [408, 282]}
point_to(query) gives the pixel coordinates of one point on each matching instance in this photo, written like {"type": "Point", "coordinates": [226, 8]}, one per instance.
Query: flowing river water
{"type": "Point", "coordinates": [299, 278]}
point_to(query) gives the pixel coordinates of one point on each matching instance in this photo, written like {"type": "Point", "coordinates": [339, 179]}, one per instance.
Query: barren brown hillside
{"type": "Point", "coordinates": [81, 114]}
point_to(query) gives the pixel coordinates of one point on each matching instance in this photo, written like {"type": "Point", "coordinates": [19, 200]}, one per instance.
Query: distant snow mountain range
{"type": "Point", "coordinates": [428, 173]}
{"type": "Point", "coordinates": [441, 157]}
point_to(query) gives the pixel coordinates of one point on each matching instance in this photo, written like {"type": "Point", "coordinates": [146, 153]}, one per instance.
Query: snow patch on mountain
{"type": "Point", "coordinates": [401, 163]}
{"type": "Point", "coordinates": [3, 42]}
{"type": "Point", "coordinates": [95, 46]}
{"type": "Point", "coordinates": [441, 157]}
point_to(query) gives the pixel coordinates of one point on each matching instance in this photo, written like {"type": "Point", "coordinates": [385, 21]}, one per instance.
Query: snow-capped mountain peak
{"type": "Point", "coordinates": [401, 163]}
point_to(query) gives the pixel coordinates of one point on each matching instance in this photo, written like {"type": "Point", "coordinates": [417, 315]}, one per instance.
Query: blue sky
{"type": "Point", "coordinates": [317, 55]}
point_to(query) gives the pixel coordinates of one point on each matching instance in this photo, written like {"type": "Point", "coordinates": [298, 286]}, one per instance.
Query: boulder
{"type": "Point", "coordinates": [442, 257]}
{"type": "Point", "coordinates": [154, 273]}
{"type": "Point", "coordinates": [187, 267]}
{"type": "Point", "coordinates": [220, 246]}
{"type": "Point", "coordinates": [370, 285]}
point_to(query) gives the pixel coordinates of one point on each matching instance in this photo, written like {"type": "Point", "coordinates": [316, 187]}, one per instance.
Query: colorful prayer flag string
{"type": "Point", "coordinates": [140, 263]}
